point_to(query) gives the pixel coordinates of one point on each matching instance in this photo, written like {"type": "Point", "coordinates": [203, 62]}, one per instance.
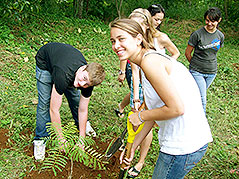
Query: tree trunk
{"type": "Point", "coordinates": [225, 9]}
{"type": "Point", "coordinates": [81, 4]}
{"type": "Point", "coordinates": [118, 7]}
{"type": "Point", "coordinates": [87, 6]}
{"type": "Point", "coordinates": [78, 8]}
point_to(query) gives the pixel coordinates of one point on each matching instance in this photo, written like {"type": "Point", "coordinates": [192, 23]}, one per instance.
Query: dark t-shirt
{"type": "Point", "coordinates": [62, 61]}
{"type": "Point", "coordinates": [206, 46]}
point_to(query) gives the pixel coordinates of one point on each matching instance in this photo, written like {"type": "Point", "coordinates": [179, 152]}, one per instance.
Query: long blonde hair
{"type": "Point", "coordinates": [151, 32]}
{"type": "Point", "coordinates": [133, 28]}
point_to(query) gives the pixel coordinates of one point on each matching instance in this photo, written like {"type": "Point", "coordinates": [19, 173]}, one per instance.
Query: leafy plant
{"type": "Point", "coordinates": [59, 153]}
{"type": "Point", "coordinates": [18, 90]}
{"type": "Point", "coordinates": [19, 9]}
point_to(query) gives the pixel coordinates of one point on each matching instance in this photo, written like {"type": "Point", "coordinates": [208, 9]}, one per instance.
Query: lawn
{"type": "Point", "coordinates": [18, 95]}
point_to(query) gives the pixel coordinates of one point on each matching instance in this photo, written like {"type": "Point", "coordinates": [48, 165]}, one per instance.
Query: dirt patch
{"type": "Point", "coordinates": [3, 139]}
{"type": "Point", "coordinates": [78, 171]}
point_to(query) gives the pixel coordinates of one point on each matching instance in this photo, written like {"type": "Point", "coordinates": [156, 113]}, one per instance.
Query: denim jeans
{"type": "Point", "coordinates": [176, 166]}
{"type": "Point", "coordinates": [128, 73]}
{"type": "Point", "coordinates": [203, 81]}
{"type": "Point", "coordinates": [44, 88]}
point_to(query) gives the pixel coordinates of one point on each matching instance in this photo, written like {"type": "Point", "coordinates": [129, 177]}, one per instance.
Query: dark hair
{"type": "Point", "coordinates": [154, 9]}
{"type": "Point", "coordinates": [213, 13]}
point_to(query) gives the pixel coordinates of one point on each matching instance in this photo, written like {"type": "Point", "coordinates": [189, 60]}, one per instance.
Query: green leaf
{"type": "Point", "coordinates": [54, 171]}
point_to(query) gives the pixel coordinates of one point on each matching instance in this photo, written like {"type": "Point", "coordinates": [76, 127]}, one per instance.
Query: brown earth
{"type": "Point", "coordinates": [79, 171]}
{"type": "Point", "coordinates": [3, 139]}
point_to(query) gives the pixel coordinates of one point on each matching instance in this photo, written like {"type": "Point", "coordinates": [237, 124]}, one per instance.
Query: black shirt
{"type": "Point", "coordinates": [62, 61]}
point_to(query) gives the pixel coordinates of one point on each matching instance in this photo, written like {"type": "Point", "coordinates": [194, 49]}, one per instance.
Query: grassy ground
{"type": "Point", "coordinates": [18, 95]}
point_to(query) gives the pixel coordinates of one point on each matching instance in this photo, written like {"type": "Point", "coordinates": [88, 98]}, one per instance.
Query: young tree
{"type": "Point", "coordinates": [118, 7]}
{"type": "Point", "coordinates": [78, 8]}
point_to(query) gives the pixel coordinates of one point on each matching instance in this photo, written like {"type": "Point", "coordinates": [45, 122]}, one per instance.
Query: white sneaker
{"type": "Point", "coordinates": [89, 130]}
{"type": "Point", "coordinates": [39, 149]}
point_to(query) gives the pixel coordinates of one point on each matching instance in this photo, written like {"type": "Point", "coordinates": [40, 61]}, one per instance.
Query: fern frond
{"type": "Point", "coordinates": [57, 160]}
{"type": "Point", "coordinates": [54, 171]}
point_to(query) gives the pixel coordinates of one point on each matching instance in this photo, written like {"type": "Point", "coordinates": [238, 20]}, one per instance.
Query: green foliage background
{"type": "Point", "coordinates": [107, 9]}
{"type": "Point", "coordinates": [25, 28]}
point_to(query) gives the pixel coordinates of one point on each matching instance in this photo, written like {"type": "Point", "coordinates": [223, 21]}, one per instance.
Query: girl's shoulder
{"type": "Point", "coordinates": [199, 31]}
{"type": "Point", "coordinates": [220, 33]}
{"type": "Point", "coordinates": [152, 55]}
{"type": "Point", "coordinates": [162, 37]}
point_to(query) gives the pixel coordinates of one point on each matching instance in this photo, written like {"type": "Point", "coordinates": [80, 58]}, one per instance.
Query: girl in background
{"type": "Point", "coordinates": [205, 42]}
{"type": "Point", "coordinates": [157, 12]}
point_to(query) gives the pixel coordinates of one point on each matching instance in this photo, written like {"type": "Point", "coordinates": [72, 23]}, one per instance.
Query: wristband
{"type": "Point", "coordinates": [141, 120]}
{"type": "Point", "coordinates": [121, 72]}
{"type": "Point", "coordinates": [136, 100]}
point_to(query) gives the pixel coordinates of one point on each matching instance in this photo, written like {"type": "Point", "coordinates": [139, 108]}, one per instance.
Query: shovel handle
{"type": "Point", "coordinates": [126, 154]}
{"type": "Point", "coordinates": [130, 144]}
{"type": "Point", "coordinates": [142, 106]}
{"type": "Point", "coordinates": [128, 150]}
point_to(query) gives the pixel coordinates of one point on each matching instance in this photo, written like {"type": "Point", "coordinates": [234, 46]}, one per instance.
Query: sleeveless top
{"type": "Point", "coordinates": [186, 133]}
{"type": "Point", "coordinates": [157, 48]}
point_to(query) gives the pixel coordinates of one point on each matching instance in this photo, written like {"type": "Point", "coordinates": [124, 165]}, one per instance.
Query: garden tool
{"type": "Point", "coordinates": [116, 145]}
{"type": "Point", "coordinates": [118, 142]}
{"type": "Point", "coordinates": [131, 136]}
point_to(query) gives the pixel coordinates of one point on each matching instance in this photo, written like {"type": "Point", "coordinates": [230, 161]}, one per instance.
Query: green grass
{"type": "Point", "coordinates": [18, 91]}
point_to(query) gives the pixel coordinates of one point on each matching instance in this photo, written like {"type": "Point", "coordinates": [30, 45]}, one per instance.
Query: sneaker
{"type": "Point", "coordinates": [89, 130]}
{"type": "Point", "coordinates": [39, 149]}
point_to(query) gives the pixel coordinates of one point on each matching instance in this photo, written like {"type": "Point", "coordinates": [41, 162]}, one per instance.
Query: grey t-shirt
{"type": "Point", "coordinates": [206, 46]}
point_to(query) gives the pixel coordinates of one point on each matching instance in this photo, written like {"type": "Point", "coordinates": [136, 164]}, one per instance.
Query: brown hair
{"type": "Point", "coordinates": [96, 73]}
{"type": "Point", "coordinates": [133, 28]}
{"type": "Point", "coordinates": [151, 32]}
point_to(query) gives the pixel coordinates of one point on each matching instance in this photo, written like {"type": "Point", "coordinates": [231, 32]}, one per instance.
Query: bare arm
{"type": "Point", "coordinates": [55, 104]}
{"type": "Point", "coordinates": [169, 45]}
{"type": "Point", "coordinates": [83, 114]}
{"type": "Point", "coordinates": [157, 70]}
{"type": "Point", "coordinates": [135, 77]}
{"type": "Point", "coordinates": [188, 52]}
{"type": "Point", "coordinates": [121, 77]}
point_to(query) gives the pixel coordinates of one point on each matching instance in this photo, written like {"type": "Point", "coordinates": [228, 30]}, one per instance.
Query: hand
{"type": "Point", "coordinates": [134, 119]}
{"type": "Point", "coordinates": [136, 106]}
{"type": "Point", "coordinates": [62, 145]}
{"type": "Point", "coordinates": [121, 77]}
{"type": "Point", "coordinates": [127, 161]}
{"type": "Point", "coordinates": [80, 144]}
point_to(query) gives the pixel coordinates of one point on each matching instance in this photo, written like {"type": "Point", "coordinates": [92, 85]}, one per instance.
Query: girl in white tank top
{"type": "Point", "coordinates": [173, 100]}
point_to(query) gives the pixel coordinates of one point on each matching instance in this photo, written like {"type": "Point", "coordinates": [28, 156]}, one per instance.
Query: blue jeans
{"type": "Point", "coordinates": [203, 81]}
{"type": "Point", "coordinates": [128, 73]}
{"type": "Point", "coordinates": [44, 88]}
{"type": "Point", "coordinates": [176, 166]}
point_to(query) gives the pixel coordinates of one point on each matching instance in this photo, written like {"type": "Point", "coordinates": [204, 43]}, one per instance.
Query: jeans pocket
{"type": "Point", "coordinates": [166, 158]}
{"type": "Point", "coordinates": [195, 73]}
{"type": "Point", "coordinates": [43, 75]}
{"type": "Point", "coordinates": [194, 158]}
